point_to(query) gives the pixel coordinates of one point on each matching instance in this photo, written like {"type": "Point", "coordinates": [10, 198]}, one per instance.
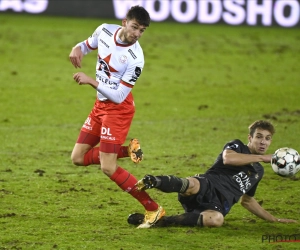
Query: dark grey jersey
{"type": "Point", "coordinates": [234, 181]}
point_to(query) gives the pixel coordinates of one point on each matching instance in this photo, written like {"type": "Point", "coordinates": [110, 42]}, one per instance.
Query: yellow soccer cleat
{"type": "Point", "coordinates": [134, 151]}
{"type": "Point", "coordinates": [151, 217]}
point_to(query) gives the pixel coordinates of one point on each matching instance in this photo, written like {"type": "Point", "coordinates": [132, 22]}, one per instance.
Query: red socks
{"type": "Point", "coordinates": [92, 156]}
{"type": "Point", "coordinates": [126, 182]}
{"type": "Point", "coordinates": [122, 178]}
{"type": "Point", "coordinates": [123, 152]}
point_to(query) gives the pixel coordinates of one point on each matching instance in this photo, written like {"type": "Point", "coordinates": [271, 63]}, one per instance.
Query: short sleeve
{"type": "Point", "coordinates": [135, 67]}
{"type": "Point", "coordinates": [235, 145]}
{"type": "Point", "coordinates": [252, 191]}
{"type": "Point", "coordinates": [92, 41]}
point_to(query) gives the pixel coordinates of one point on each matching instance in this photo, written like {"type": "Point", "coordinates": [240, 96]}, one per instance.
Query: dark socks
{"type": "Point", "coordinates": [171, 183]}
{"type": "Point", "coordinates": [186, 219]}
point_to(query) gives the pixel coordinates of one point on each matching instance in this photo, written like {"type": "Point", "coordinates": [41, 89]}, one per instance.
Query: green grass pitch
{"type": "Point", "coordinates": [201, 86]}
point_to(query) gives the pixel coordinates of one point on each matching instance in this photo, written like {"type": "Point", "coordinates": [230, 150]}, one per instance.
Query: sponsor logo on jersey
{"type": "Point", "coordinates": [243, 181]}
{"type": "Point", "coordinates": [106, 81]}
{"type": "Point", "coordinates": [104, 43]}
{"type": "Point", "coordinates": [107, 31]}
{"type": "Point", "coordinates": [104, 65]}
{"type": "Point", "coordinates": [132, 54]}
{"type": "Point", "coordinates": [136, 74]}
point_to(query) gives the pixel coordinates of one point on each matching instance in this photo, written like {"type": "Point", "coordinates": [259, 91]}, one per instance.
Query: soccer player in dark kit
{"type": "Point", "coordinates": [235, 175]}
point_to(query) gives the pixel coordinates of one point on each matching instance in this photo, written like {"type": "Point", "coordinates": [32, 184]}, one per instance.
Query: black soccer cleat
{"type": "Point", "coordinates": [135, 219]}
{"type": "Point", "coordinates": [149, 181]}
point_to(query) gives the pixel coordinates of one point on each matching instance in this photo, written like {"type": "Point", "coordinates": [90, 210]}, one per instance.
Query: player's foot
{"type": "Point", "coordinates": [134, 151]}
{"type": "Point", "coordinates": [149, 181]}
{"type": "Point", "coordinates": [135, 219]}
{"type": "Point", "coordinates": [151, 217]}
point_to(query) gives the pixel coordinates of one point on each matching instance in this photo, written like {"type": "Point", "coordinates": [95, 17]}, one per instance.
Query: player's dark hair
{"type": "Point", "coordinates": [265, 125]}
{"type": "Point", "coordinates": [139, 14]}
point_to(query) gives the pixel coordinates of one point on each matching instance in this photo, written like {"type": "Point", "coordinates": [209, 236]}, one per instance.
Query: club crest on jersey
{"type": "Point", "coordinates": [123, 59]}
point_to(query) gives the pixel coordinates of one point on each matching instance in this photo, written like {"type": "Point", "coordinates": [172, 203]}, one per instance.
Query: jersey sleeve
{"type": "Point", "coordinates": [92, 41]}
{"type": "Point", "coordinates": [115, 95]}
{"type": "Point", "coordinates": [252, 191]}
{"type": "Point", "coordinates": [235, 145]}
{"type": "Point", "coordinates": [132, 74]}
{"type": "Point", "coordinates": [135, 67]}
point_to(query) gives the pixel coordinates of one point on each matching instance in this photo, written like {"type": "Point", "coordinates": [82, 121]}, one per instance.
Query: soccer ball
{"type": "Point", "coordinates": [285, 162]}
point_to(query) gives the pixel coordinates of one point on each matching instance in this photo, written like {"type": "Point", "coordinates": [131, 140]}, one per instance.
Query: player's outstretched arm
{"type": "Point", "coordinates": [255, 208]}
{"type": "Point", "coordinates": [76, 56]}
{"type": "Point", "coordinates": [230, 157]}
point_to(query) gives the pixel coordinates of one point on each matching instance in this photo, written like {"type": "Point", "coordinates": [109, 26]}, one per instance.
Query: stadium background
{"type": "Point", "coordinates": [284, 13]}
{"type": "Point", "coordinates": [203, 84]}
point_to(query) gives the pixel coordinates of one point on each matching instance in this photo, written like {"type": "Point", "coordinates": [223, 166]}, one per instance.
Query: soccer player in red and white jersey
{"type": "Point", "coordinates": [120, 62]}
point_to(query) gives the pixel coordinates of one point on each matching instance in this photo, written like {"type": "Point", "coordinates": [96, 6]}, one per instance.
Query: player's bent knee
{"type": "Point", "coordinates": [78, 161]}
{"type": "Point", "coordinates": [193, 187]}
{"type": "Point", "coordinates": [78, 152]}
{"type": "Point", "coordinates": [218, 220]}
{"type": "Point", "coordinates": [213, 219]}
{"type": "Point", "coordinates": [107, 170]}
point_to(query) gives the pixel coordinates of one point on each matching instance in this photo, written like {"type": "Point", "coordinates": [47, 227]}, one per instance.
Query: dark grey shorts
{"type": "Point", "coordinates": [208, 198]}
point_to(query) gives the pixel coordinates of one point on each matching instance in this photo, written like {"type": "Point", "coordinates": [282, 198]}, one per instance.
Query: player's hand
{"type": "Point", "coordinates": [76, 56]}
{"type": "Point", "coordinates": [286, 221]}
{"type": "Point", "coordinates": [266, 158]}
{"type": "Point", "coordinates": [82, 78]}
